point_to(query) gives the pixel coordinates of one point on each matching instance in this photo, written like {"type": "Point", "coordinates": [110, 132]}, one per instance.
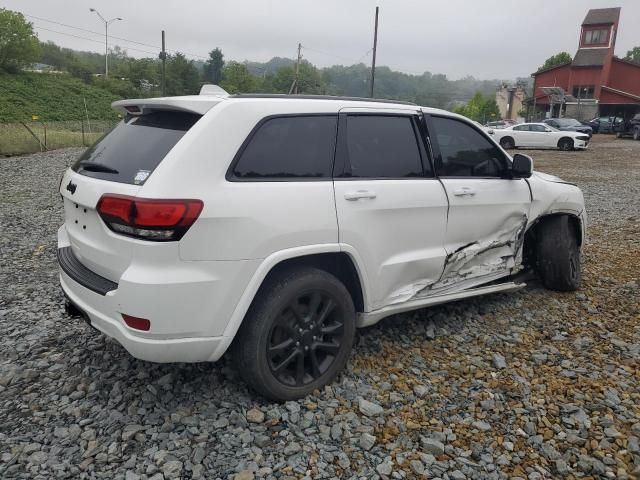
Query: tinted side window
{"type": "Point", "coordinates": [382, 146]}
{"type": "Point", "coordinates": [290, 147]}
{"type": "Point", "coordinates": [522, 128]}
{"type": "Point", "coordinates": [465, 152]}
{"type": "Point", "coordinates": [537, 128]}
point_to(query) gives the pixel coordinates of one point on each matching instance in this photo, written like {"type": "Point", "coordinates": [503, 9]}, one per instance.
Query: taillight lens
{"type": "Point", "coordinates": [149, 219]}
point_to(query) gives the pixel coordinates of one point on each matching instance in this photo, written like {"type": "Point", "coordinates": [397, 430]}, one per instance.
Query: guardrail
{"type": "Point", "coordinates": [29, 137]}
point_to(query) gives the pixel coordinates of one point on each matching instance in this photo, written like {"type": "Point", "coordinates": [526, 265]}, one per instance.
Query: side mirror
{"type": "Point", "coordinates": [522, 166]}
{"type": "Point", "coordinates": [490, 131]}
{"type": "Point", "coordinates": [548, 130]}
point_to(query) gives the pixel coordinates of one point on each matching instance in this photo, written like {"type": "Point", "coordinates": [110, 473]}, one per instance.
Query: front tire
{"type": "Point", "coordinates": [507, 143]}
{"type": "Point", "coordinates": [558, 254]}
{"type": "Point", "coordinates": [565, 144]}
{"type": "Point", "coordinates": [297, 335]}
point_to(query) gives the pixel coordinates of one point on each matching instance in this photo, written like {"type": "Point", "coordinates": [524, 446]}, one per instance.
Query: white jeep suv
{"type": "Point", "coordinates": [275, 225]}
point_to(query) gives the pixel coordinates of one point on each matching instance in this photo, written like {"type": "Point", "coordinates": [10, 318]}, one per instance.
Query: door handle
{"type": "Point", "coordinates": [464, 192]}
{"type": "Point", "coordinates": [358, 194]}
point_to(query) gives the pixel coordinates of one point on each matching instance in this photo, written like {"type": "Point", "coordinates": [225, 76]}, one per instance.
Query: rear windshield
{"type": "Point", "coordinates": [131, 151]}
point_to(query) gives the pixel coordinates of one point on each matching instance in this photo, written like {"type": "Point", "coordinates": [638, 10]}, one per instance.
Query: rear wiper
{"type": "Point", "coordinates": [96, 167]}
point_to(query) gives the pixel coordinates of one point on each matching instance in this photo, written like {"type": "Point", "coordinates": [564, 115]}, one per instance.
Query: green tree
{"type": "Point", "coordinates": [633, 55]}
{"type": "Point", "coordinates": [182, 76]}
{"type": "Point", "coordinates": [237, 79]}
{"type": "Point", "coordinates": [213, 67]}
{"type": "Point", "coordinates": [18, 44]}
{"type": "Point", "coordinates": [480, 108]}
{"type": "Point", "coordinates": [555, 60]}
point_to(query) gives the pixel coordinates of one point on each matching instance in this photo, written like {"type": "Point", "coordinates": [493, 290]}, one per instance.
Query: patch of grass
{"type": "Point", "coordinates": [52, 97]}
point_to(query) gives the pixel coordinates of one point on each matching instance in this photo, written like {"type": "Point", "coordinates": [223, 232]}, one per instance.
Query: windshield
{"type": "Point", "coordinates": [568, 122]}
{"type": "Point", "coordinates": [135, 147]}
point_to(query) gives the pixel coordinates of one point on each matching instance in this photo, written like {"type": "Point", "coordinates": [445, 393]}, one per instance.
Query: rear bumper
{"type": "Point", "coordinates": [189, 304]}
{"type": "Point", "coordinates": [94, 306]}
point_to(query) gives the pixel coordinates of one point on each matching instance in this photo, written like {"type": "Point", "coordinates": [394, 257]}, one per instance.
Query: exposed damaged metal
{"type": "Point", "coordinates": [477, 260]}
{"type": "Point", "coordinates": [487, 256]}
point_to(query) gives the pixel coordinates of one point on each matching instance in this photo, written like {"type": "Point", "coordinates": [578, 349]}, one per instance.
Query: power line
{"type": "Point", "coordinates": [112, 36]}
{"type": "Point", "coordinates": [89, 39]}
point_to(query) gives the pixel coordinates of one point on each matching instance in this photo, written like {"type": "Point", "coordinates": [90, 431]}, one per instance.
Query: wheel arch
{"type": "Point", "coordinates": [329, 258]}
{"type": "Point", "coordinates": [531, 234]}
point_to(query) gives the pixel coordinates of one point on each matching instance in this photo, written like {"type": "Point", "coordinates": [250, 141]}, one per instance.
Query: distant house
{"type": "Point", "coordinates": [510, 100]}
{"type": "Point", "coordinates": [595, 82]}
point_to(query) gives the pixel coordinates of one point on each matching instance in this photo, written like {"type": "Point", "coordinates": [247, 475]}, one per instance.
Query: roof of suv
{"type": "Point", "coordinates": [201, 104]}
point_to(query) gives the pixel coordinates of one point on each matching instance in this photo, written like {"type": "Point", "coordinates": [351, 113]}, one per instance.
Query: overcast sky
{"type": "Point", "coordinates": [485, 38]}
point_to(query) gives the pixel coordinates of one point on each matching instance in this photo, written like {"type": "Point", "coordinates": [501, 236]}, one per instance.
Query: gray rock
{"type": "Point", "coordinates": [255, 416]}
{"type": "Point", "coordinates": [417, 467]}
{"type": "Point", "coordinates": [172, 469]}
{"type": "Point", "coordinates": [432, 446]}
{"type": "Point", "coordinates": [482, 425]}
{"type": "Point", "coordinates": [499, 361]}
{"type": "Point", "coordinates": [292, 448]}
{"type": "Point", "coordinates": [369, 409]}
{"type": "Point", "coordinates": [457, 475]}
{"type": "Point", "coordinates": [384, 468]}
{"type": "Point", "coordinates": [420, 390]}
{"type": "Point", "coordinates": [367, 441]}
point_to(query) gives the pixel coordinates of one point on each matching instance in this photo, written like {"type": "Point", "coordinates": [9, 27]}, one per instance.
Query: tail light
{"type": "Point", "coordinates": [149, 219]}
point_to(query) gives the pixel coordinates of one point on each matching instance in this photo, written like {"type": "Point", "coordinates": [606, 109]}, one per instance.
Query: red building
{"type": "Point", "coordinates": [595, 82]}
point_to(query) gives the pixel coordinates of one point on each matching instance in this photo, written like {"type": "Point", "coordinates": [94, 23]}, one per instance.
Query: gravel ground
{"type": "Point", "coordinates": [532, 384]}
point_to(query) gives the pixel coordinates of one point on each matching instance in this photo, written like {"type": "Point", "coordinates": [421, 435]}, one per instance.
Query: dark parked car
{"type": "Point", "coordinates": [630, 128]}
{"type": "Point", "coordinates": [569, 125]}
{"type": "Point", "coordinates": [605, 124]}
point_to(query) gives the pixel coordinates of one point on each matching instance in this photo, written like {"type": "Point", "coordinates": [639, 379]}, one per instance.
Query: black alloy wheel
{"type": "Point", "coordinates": [305, 339]}
{"type": "Point", "coordinates": [297, 335]}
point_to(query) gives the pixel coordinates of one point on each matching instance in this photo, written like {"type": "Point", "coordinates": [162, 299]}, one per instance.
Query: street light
{"type": "Point", "coordinates": [106, 38]}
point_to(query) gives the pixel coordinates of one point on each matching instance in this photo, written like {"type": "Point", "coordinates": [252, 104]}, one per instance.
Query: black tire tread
{"type": "Point", "coordinates": [557, 242]}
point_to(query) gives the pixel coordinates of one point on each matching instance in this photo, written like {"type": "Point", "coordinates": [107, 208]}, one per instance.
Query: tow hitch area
{"type": "Point", "coordinates": [73, 311]}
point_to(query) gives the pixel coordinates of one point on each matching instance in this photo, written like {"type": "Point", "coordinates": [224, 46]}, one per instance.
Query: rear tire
{"type": "Point", "coordinates": [565, 144]}
{"type": "Point", "coordinates": [507, 143]}
{"type": "Point", "coordinates": [558, 254]}
{"type": "Point", "coordinates": [297, 334]}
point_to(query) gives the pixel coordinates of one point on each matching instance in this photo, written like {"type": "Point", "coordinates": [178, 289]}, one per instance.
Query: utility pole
{"type": "Point", "coordinates": [106, 38]}
{"type": "Point", "coordinates": [294, 85]}
{"type": "Point", "coordinates": [163, 57]}
{"type": "Point", "coordinates": [375, 46]}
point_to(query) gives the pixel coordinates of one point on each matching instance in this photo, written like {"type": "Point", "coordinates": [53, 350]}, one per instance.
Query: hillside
{"type": "Point", "coordinates": [51, 97]}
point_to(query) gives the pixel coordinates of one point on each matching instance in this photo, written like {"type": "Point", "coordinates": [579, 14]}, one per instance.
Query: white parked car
{"type": "Point", "coordinates": [273, 226]}
{"type": "Point", "coordinates": [539, 135]}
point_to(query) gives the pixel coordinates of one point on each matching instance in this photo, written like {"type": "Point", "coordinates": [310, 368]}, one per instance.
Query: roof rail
{"type": "Point", "coordinates": [319, 97]}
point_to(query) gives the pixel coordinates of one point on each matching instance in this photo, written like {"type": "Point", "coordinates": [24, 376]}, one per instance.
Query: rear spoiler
{"type": "Point", "coordinates": [210, 96]}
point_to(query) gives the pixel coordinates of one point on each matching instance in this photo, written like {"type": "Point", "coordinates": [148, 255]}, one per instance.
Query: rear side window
{"type": "Point", "coordinates": [289, 148]}
{"type": "Point", "coordinates": [131, 151]}
{"type": "Point", "coordinates": [522, 128]}
{"type": "Point", "coordinates": [382, 146]}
